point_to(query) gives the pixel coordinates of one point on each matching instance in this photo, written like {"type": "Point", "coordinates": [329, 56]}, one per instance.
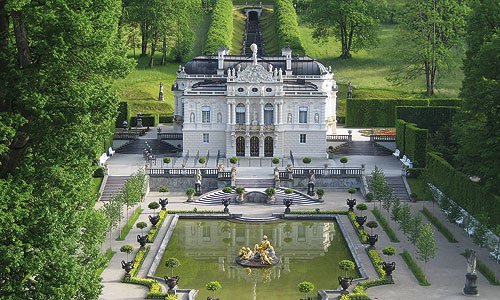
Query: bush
{"type": "Point", "coordinates": [220, 32]}
{"type": "Point", "coordinates": [190, 192]}
{"type": "Point", "coordinates": [288, 191]}
{"type": "Point", "coordinates": [440, 227]}
{"type": "Point", "coordinates": [415, 269]}
{"type": "Point", "coordinates": [153, 205]}
{"type": "Point", "coordinates": [400, 135]}
{"type": "Point", "coordinates": [389, 251]}
{"type": "Point", "coordinates": [240, 190]}
{"type": "Point", "coordinates": [369, 196]}
{"type": "Point", "coordinates": [430, 118]}
{"type": "Point", "coordinates": [233, 160]}
{"type": "Point", "coordinates": [165, 119]}
{"type": "Point", "coordinates": [147, 121]}
{"type": "Point", "coordinates": [376, 261]}
{"type": "Point", "coordinates": [270, 191]}
{"type": "Point", "coordinates": [385, 225]}
{"type": "Point", "coordinates": [415, 172]}
{"type": "Point", "coordinates": [306, 160]}
{"type": "Point", "coordinates": [122, 114]}
{"type": "Point", "coordinates": [163, 189]}
{"type": "Point", "coordinates": [467, 194]}
{"type": "Point", "coordinates": [275, 160]}
{"type": "Point", "coordinates": [287, 27]}
{"type": "Point", "coordinates": [320, 192]}
{"type": "Point", "coordinates": [351, 191]}
{"type": "Point", "coordinates": [99, 172]}
{"type": "Point", "coordinates": [363, 236]}
{"type": "Point", "coordinates": [167, 160]}
{"type": "Point", "coordinates": [227, 189]}
{"type": "Point", "coordinates": [202, 160]}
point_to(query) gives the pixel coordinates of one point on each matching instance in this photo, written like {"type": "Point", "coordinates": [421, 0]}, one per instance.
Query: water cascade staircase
{"type": "Point", "coordinates": [253, 35]}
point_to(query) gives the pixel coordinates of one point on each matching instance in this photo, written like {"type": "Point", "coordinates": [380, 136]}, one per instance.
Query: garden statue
{"type": "Point", "coordinates": [349, 90]}
{"type": "Point", "coordinates": [221, 168]}
{"type": "Point", "coordinates": [128, 266]}
{"type": "Point", "coordinates": [276, 177]}
{"type": "Point", "coordinates": [139, 120]}
{"type": "Point", "coordinates": [125, 125]}
{"type": "Point", "coordinates": [197, 182]}
{"type": "Point", "coordinates": [470, 288]}
{"type": "Point", "coordinates": [142, 240]}
{"type": "Point", "coordinates": [310, 185]}
{"type": "Point", "coordinates": [289, 169]}
{"type": "Point", "coordinates": [160, 96]}
{"type": "Point", "coordinates": [262, 255]}
{"type": "Point", "coordinates": [226, 202]}
{"type": "Point", "coordinates": [254, 49]}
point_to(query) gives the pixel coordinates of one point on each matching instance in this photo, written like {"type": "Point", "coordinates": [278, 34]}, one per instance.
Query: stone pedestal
{"type": "Point", "coordinates": [470, 288]}
{"type": "Point", "coordinates": [197, 189]}
{"type": "Point", "coordinates": [139, 122]}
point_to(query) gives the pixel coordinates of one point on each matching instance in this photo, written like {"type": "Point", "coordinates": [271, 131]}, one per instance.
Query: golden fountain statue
{"type": "Point", "coordinates": [263, 255]}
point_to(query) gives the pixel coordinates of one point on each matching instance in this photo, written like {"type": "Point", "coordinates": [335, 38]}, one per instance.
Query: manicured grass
{"type": "Point", "coordinates": [107, 258]}
{"type": "Point", "coordinates": [415, 269]}
{"type": "Point", "coordinates": [440, 227]}
{"type": "Point", "coordinates": [419, 187]}
{"type": "Point", "coordinates": [368, 69]}
{"type": "Point", "coordinates": [385, 225]}
{"type": "Point", "coordinates": [130, 223]}
{"type": "Point", "coordinates": [268, 26]}
{"type": "Point", "coordinates": [239, 22]}
{"type": "Point", "coordinates": [487, 272]}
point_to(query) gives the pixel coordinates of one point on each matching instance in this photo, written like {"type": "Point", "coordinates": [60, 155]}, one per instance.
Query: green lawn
{"type": "Point", "coordinates": [239, 22]}
{"type": "Point", "coordinates": [418, 186]}
{"type": "Point", "coordinates": [96, 184]}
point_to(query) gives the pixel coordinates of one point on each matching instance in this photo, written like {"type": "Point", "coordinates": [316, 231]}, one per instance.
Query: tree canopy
{"type": "Point", "coordinates": [478, 128]}
{"type": "Point", "coordinates": [354, 23]}
{"type": "Point", "coordinates": [57, 61]}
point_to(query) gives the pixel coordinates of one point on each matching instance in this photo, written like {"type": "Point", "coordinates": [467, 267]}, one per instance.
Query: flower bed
{"type": "Point", "coordinates": [386, 131]}
{"type": "Point", "coordinates": [153, 232]}
{"type": "Point", "coordinates": [363, 236]}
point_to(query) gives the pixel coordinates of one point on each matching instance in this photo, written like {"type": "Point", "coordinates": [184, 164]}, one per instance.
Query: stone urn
{"type": "Point", "coordinates": [226, 202]}
{"type": "Point", "coordinates": [351, 203]}
{"type": "Point", "coordinates": [470, 288]}
{"type": "Point", "coordinates": [163, 202]}
{"type": "Point", "coordinates": [388, 268]}
{"type": "Point", "coordinates": [154, 220]}
{"type": "Point", "coordinates": [171, 283]}
{"type": "Point", "coordinates": [142, 240]}
{"type": "Point", "coordinates": [345, 282]}
{"type": "Point", "coordinates": [127, 266]}
{"type": "Point", "coordinates": [361, 220]}
{"type": "Point", "coordinates": [287, 202]}
{"type": "Point", "coordinates": [372, 239]}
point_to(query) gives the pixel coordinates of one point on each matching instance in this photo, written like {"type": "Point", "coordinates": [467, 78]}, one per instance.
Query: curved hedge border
{"type": "Point", "coordinates": [220, 33]}
{"type": "Point", "coordinates": [467, 194]}
{"type": "Point", "coordinates": [287, 26]}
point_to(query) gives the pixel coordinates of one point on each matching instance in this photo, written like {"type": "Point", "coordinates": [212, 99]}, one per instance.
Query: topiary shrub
{"type": "Point", "coordinates": [163, 189]}
{"type": "Point", "coordinates": [167, 160]}
{"type": "Point", "coordinates": [99, 172]}
{"type": "Point", "coordinates": [288, 191]}
{"type": "Point", "coordinates": [369, 197]}
{"type": "Point", "coordinates": [346, 265]}
{"type": "Point", "coordinates": [270, 191]}
{"type": "Point", "coordinates": [233, 160]}
{"type": "Point", "coordinates": [275, 160]}
{"type": "Point", "coordinates": [361, 207]}
{"type": "Point", "coordinates": [306, 160]}
{"type": "Point", "coordinates": [240, 190]}
{"type": "Point", "coordinates": [305, 287]}
{"type": "Point", "coordinates": [371, 225]}
{"type": "Point", "coordinates": [213, 286]}
{"type": "Point", "coordinates": [172, 263]}
{"type": "Point", "coordinates": [389, 251]}
{"type": "Point", "coordinates": [344, 160]}
{"type": "Point", "coordinates": [202, 160]}
{"type": "Point", "coordinates": [227, 190]}
{"type": "Point", "coordinates": [320, 192]}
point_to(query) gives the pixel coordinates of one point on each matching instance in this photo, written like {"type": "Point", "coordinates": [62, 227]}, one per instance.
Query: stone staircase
{"type": "Point", "coordinates": [254, 183]}
{"type": "Point", "coordinates": [362, 148]}
{"type": "Point", "coordinates": [216, 197]}
{"type": "Point", "coordinates": [398, 188]}
{"type": "Point", "coordinates": [114, 184]}
{"type": "Point", "coordinates": [138, 146]}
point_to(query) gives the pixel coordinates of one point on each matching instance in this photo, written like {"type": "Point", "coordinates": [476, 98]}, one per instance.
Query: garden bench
{"type": "Point", "coordinates": [396, 153]}
{"type": "Point", "coordinates": [111, 151]}
{"type": "Point", "coordinates": [102, 159]}
{"type": "Point", "coordinates": [406, 161]}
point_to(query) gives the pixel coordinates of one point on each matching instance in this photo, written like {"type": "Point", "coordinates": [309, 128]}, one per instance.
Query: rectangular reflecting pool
{"type": "Point", "coordinates": [309, 251]}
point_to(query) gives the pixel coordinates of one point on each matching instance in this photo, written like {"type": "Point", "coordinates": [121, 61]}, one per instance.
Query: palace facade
{"type": "Point", "coordinates": [255, 106]}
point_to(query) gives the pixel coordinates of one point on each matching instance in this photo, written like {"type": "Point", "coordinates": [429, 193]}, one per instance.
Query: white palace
{"type": "Point", "coordinates": [255, 106]}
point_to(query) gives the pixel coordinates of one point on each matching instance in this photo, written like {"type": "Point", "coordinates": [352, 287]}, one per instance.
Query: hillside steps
{"type": "Point", "coordinates": [398, 188]}
{"type": "Point", "coordinates": [362, 148]}
{"type": "Point", "coordinates": [113, 186]}
{"type": "Point", "coordinates": [138, 146]}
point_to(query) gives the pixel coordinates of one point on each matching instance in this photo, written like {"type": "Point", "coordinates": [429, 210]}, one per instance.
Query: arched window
{"type": "Point", "coordinates": [268, 114]}
{"type": "Point", "coordinates": [240, 113]}
{"type": "Point", "coordinates": [303, 114]}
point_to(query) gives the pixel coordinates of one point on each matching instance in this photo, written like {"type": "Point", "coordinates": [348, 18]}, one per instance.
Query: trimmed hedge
{"type": "Point", "coordinates": [416, 144]}
{"type": "Point", "coordinates": [467, 194]}
{"type": "Point", "coordinates": [440, 227]}
{"type": "Point", "coordinates": [287, 26]}
{"type": "Point", "coordinates": [166, 119]}
{"type": "Point", "coordinates": [363, 236]}
{"type": "Point", "coordinates": [318, 212]}
{"type": "Point", "coordinates": [130, 223]}
{"type": "Point", "coordinates": [382, 112]}
{"type": "Point", "coordinates": [376, 261]}
{"type": "Point", "coordinates": [400, 135]}
{"type": "Point", "coordinates": [153, 232]}
{"type": "Point", "coordinates": [147, 121]}
{"type": "Point", "coordinates": [376, 112]}
{"type": "Point", "coordinates": [431, 118]}
{"type": "Point", "coordinates": [415, 269]}
{"type": "Point", "coordinates": [122, 114]}
{"type": "Point", "coordinates": [415, 172]}
{"type": "Point", "coordinates": [220, 33]}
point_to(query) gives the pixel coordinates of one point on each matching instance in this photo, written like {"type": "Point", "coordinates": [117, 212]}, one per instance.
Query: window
{"type": "Point", "coordinates": [268, 114]}
{"type": "Point", "coordinates": [205, 114]}
{"type": "Point", "coordinates": [240, 113]}
{"type": "Point", "coordinates": [206, 138]}
{"type": "Point", "coordinates": [240, 90]}
{"type": "Point", "coordinates": [255, 90]}
{"type": "Point", "coordinates": [302, 138]}
{"type": "Point", "coordinates": [303, 114]}
{"type": "Point", "coordinates": [269, 90]}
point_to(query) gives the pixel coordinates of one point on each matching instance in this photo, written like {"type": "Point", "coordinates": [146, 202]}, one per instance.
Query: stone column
{"type": "Point", "coordinates": [229, 113]}
{"type": "Point", "coordinates": [261, 112]}
{"type": "Point", "coordinates": [275, 112]}
{"type": "Point", "coordinates": [247, 113]}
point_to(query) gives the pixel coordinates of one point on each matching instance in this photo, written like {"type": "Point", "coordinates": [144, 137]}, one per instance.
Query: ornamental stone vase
{"type": "Point", "coordinates": [171, 283]}
{"type": "Point", "coordinates": [142, 240]}
{"type": "Point", "coordinates": [154, 220]}
{"type": "Point", "coordinates": [470, 288]}
{"type": "Point", "coordinates": [287, 202]}
{"type": "Point", "coordinates": [372, 239]}
{"type": "Point", "coordinates": [361, 220]}
{"type": "Point", "coordinates": [163, 202]}
{"type": "Point", "coordinates": [345, 282]}
{"type": "Point", "coordinates": [127, 266]}
{"type": "Point", "coordinates": [389, 267]}
{"type": "Point", "coordinates": [351, 203]}
{"type": "Point", "coordinates": [226, 202]}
